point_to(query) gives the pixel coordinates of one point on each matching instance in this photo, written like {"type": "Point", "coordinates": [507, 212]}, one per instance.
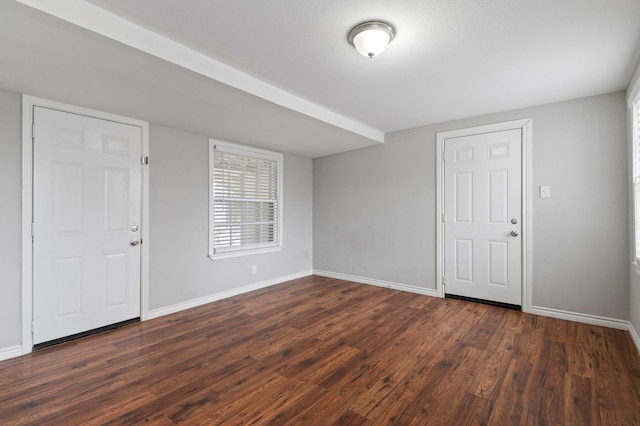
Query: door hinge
{"type": "Point", "coordinates": [144, 160]}
{"type": "Point", "coordinates": [33, 229]}
{"type": "Point", "coordinates": [444, 280]}
{"type": "Point", "coordinates": [444, 157]}
{"type": "Point", "coordinates": [32, 327]}
{"type": "Point", "coordinates": [33, 132]}
{"type": "Point", "coordinates": [443, 218]}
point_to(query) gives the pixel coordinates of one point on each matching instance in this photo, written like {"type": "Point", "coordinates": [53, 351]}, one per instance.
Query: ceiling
{"type": "Point", "coordinates": [280, 73]}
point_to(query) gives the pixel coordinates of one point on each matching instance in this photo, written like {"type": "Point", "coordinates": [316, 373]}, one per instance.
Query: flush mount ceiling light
{"type": "Point", "coordinates": [371, 38]}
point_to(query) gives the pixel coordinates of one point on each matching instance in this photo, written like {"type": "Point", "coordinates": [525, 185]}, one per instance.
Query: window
{"type": "Point", "coordinates": [245, 200]}
{"type": "Point", "coordinates": [636, 173]}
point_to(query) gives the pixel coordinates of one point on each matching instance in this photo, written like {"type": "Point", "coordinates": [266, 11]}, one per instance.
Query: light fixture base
{"type": "Point", "coordinates": [371, 27]}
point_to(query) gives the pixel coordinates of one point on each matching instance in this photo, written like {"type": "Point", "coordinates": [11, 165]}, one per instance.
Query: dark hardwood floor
{"type": "Point", "coordinates": [319, 351]}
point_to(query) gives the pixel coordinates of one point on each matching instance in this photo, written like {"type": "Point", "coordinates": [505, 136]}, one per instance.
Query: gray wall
{"type": "Point", "coordinates": [374, 208]}
{"type": "Point", "coordinates": [179, 267]}
{"type": "Point", "coordinates": [10, 219]}
{"type": "Point", "coordinates": [374, 211]}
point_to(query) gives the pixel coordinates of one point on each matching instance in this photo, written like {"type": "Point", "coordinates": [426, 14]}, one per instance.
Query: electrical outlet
{"type": "Point", "coordinates": [254, 269]}
{"type": "Point", "coordinates": [545, 192]}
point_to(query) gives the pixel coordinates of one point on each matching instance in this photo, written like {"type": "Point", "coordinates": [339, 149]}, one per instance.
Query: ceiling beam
{"type": "Point", "coordinates": [110, 25]}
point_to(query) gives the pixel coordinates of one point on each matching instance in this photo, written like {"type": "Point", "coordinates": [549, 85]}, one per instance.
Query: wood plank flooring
{"type": "Point", "coordinates": [319, 351]}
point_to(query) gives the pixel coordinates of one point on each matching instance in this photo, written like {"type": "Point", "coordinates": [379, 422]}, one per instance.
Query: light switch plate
{"type": "Point", "coordinates": [545, 192]}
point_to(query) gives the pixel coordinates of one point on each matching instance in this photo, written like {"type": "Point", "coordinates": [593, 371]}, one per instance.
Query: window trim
{"type": "Point", "coordinates": [248, 152]}
{"type": "Point", "coordinates": [634, 104]}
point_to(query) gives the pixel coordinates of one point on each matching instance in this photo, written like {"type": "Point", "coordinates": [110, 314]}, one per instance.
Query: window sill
{"type": "Point", "coordinates": [230, 254]}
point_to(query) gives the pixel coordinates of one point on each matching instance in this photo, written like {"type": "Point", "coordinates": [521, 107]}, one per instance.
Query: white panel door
{"type": "Point", "coordinates": [86, 214]}
{"type": "Point", "coordinates": [482, 221]}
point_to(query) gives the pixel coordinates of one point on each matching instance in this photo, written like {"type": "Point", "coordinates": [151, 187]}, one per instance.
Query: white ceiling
{"type": "Point", "coordinates": [281, 74]}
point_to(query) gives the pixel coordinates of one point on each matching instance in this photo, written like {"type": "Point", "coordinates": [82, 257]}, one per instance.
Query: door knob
{"type": "Point", "coordinates": [514, 221]}
{"type": "Point", "coordinates": [134, 242]}
{"type": "Point", "coordinates": [514, 233]}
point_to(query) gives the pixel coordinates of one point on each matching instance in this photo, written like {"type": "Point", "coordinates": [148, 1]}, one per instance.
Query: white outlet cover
{"type": "Point", "coordinates": [545, 192]}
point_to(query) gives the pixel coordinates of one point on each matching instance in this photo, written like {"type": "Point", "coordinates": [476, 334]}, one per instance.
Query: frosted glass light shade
{"type": "Point", "coordinates": [371, 38]}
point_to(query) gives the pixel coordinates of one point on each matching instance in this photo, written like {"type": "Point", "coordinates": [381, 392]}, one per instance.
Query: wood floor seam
{"type": "Point", "coordinates": [323, 351]}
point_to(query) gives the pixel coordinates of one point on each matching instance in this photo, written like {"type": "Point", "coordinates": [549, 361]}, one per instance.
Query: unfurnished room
{"type": "Point", "coordinates": [318, 212]}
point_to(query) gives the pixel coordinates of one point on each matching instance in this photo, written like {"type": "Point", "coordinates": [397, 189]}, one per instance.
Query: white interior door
{"type": "Point", "coordinates": [483, 216]}
{"type": "Point", "coordinates": [86, 214]}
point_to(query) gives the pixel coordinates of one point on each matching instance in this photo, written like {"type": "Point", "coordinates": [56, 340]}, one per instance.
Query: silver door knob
{"type": "Point", "coordinates": [134, 242]}
{"type": "Point", "coordinates": [514, 233]}
{"type": "Point", "coordinates": [514, 221]}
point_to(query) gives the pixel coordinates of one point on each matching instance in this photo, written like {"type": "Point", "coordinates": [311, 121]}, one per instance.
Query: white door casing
{"type": "Point", "coordinates": [83, 189]}
{"type": "Point", "coordinates": [482, 179]}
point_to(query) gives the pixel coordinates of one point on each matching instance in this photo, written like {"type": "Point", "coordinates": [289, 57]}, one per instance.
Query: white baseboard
{"type": "Point", "coordinates": [10, 352]}
{"type": "Point", "coordinates": [379, 283]}
{"type": "Point", "coordinates": [223, 295]}
{"type": "Point", "coordinates": [579, 317]}
{"type": "Point", "coordinates": [634, 336]}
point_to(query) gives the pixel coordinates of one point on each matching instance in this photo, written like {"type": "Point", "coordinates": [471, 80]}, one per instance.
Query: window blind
{"type": "Point", "coordinates": [245, 202]}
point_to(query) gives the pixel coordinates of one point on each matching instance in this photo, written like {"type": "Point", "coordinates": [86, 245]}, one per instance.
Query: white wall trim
{"type": "Point", "coordinates": [10, 352]}
{"type": "Point", "coordinates": [580, 317]}
{"type": "Point", "coordinates": [155, 313]}
{"type": "Point", "coordinates": [634, 336]}
{"type": "Point", "coordinates": [27, 219]}
{"type": "Point", "coordinates": [525, 125]}
{"type": "Point", "coordinates": [527, 209]}
{"type": "Point", "coordinates": [28, 104]}
{"type": "Point", "coordinates": [378, 283]}
{"type": "Point", "coordinates": [107, 24]}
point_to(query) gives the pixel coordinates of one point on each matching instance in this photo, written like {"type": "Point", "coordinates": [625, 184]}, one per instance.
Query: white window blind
{"type": "Point", "coordinates": [636, 172]}
{"type": "Point", "coordinates": [245, 199]}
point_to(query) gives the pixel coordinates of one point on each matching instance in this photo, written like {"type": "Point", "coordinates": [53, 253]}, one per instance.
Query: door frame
{"type": "Point", "coordinates": [28, 104]}
{"type": "Point", "coordinates": [525, 126]}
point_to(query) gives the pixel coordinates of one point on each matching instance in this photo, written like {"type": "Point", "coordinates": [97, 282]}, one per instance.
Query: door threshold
{"type": "Point", "coordinates": [484, 302]}
{"type": "Point", "coordinates": [84, 334]}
